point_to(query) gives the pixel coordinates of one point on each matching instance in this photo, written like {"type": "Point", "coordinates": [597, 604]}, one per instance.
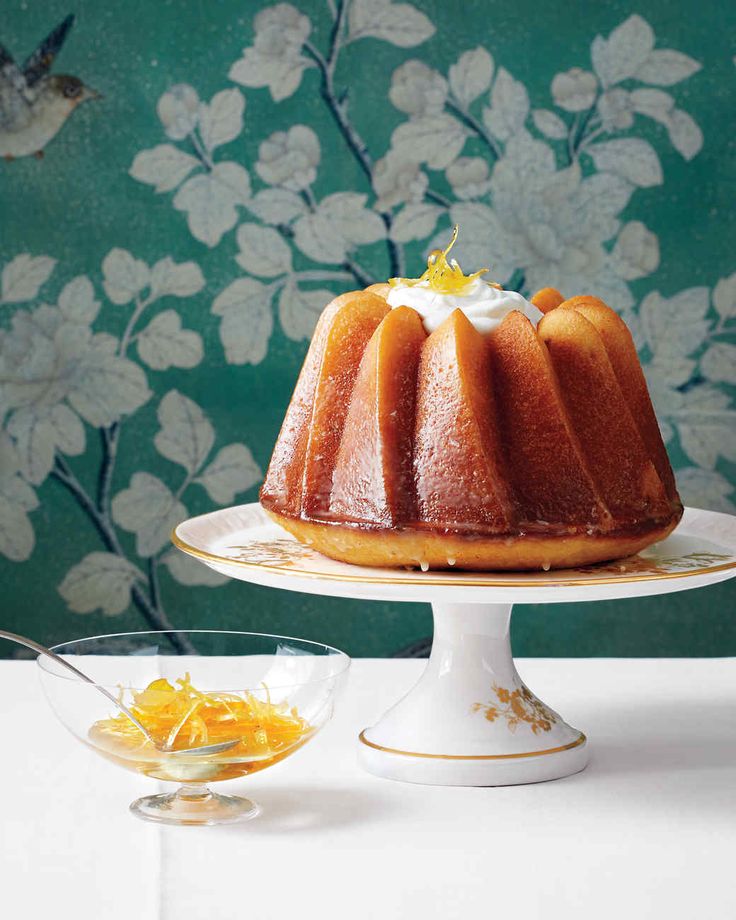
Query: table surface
{"type": "Point", "coordinates": [647, 831]}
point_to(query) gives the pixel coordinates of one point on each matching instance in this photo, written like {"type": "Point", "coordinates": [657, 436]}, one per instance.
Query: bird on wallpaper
{"type": "Point", "coordinates": [34, 104]}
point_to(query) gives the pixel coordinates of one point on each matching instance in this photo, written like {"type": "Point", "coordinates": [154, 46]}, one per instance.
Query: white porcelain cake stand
{"type": "Point", "coordinates": [470, 720]}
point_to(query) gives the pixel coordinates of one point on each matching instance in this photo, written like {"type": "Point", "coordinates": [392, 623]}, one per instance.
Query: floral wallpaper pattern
{"type": "Point", "coordinates": [540, 183]}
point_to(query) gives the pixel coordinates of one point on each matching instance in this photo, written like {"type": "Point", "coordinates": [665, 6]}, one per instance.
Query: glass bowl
{"type": "Point", "coordinates": [269, 695]}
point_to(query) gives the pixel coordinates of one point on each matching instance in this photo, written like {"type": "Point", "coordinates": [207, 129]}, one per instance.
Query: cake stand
{"type": "Point", "coordinates": [470, 720]}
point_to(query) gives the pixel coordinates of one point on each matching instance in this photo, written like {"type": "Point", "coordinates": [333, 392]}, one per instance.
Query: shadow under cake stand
{"type": "Point", "coordinates": [470, 720]}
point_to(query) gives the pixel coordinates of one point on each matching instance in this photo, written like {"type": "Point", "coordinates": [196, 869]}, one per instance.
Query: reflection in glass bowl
{"type": "Point", "coordinates": [265, 695]}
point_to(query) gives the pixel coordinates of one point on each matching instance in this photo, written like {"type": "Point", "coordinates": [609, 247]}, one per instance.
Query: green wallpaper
{"type": "Point", "coordinates": [164, 262]}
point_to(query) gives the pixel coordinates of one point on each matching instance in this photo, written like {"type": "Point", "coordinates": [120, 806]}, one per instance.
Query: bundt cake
{"type": "Point", "coordinates": [433, 425]}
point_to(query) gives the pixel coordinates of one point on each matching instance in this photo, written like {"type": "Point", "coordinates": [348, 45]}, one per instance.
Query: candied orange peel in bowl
{"type": "Point", "coordinates": [181, 717]}
{"type": "Point", "coordinates": [246, 702]}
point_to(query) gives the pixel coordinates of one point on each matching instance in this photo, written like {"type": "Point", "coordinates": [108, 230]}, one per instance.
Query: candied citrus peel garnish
{"type": "Point", "coordinates": [184, 717]}
{"type": "Point", "coordinates": [443, 277]}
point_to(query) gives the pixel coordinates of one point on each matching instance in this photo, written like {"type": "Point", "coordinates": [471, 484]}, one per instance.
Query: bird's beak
{"type": "Point", "coordinates": [89, 93]}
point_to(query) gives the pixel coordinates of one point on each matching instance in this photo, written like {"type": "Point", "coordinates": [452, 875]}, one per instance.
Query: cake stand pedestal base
{"type": "Point", "coordinates": [470, 720]}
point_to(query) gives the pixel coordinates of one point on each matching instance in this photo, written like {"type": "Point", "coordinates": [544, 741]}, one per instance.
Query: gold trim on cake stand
{"type": "Point", "coordinates": [470, 719]}
{"type": "Point", "coordinates": [556, 750]}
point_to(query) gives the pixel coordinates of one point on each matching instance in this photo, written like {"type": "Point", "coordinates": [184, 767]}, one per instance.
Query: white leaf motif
{"type": "Point", "coordinates": [169, 279]}
{"type": "Point", "coordinates": [104, 386]}
{"type": "Point", "coordinates": [17, 491]}
{"type": "Point", "coordinates": [705, 489]}
{"type": "Point", "coordinates": [277, 205]}
{"type": "Point", "coordinates": [299, 310]}
{"type": "Point", "coordinates": [24, 276]}
{"type": "Point", "coordinates": [38, 435]}
{"type": "Point", "coordinates": [676, 326]}
{"type": "Point", "coordinates": [209, 200]}
{"type": "Point", "coordinates": [706, 426]}
{"type": "Point", "coordinates": [340, 222]}
{"type": "Point", "coordinates": [9, 459]}
{"type": "Point", "coordinates": [401, 24]}
{"type": "Point", "coordinates": [471, 76]}
{"type": "Point", "coordinates": [235, 179]}
{"type": "Point", "coordinates": [164, 344]}
{"type": "Point", "coordinates": [50, 359]}
{"type": "Point", "coordinates": [191, 572]}
{"type": "Point", "coordinates": [686, 136]}
{"type": "Point", "coordinates": [124, 276]}
{"type": "Point", "coordinates": [415, 221]}
{"type": "Point", "coordinates": [148, 509]}
{"type": "Point", "coordinates": [186, 435]}
{"type": "Point", "coordinates": [627, 48]}
{"type": "Point", "coordinates": [665, 373]}
{"type": "Point", "coordinates": [665, 67]}
{"type": "Point", "coordinates": [17, 498]}
{"type": "Point", "coordinates": [352, 219]}
{"type": "Point", "coordinates": [77, 301]}
{"type": "Point", "coordinates": [549, 124]}
{"type": "Point", "coordinates": [16, 532]}
{"type": "Point", "coordinates": [719, 363]}
{"type": "Point", "coordinates": [232, 471]}
{"type": "Point", "coordinates": [629, 157]}
{"type": "Point", "coordinates": [101, 581]}
{"type": "Point", "coordinates": [724, 297]}
{"type": "Point", "coordinates": [432, 139]}
{"type": "Point", "coordinates": [509, 106]}
{"type": "Point", "coordinates": [222, 120]}
{"type": "Point", "coordinates": [599, 201]}
{"type": "Point", "coordinates": [263, 251]}
{"type": "Point", "coordinates": [247, 323]}
{"type": "Point", "coordinates": [654, 103]}
{"type": "Point", "coordinates": [164, 167]}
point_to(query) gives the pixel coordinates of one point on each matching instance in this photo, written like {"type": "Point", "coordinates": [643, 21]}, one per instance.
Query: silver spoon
{"type": "Point", "coordinates": [42, 650]}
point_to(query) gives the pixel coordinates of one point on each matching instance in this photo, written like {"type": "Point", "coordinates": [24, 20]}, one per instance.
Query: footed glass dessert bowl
{"type": "Point", "coordinates": [247, 700]}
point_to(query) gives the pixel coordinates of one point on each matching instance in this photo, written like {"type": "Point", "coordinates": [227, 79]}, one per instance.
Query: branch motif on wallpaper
{"type": "Point", "coordinates": [60, 378]}
{"type": "Point", "coordinates": [539, 192]}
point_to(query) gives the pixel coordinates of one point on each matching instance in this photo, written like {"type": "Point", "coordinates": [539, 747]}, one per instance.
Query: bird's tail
{"type": "Point", "coordinates": [39, 63]}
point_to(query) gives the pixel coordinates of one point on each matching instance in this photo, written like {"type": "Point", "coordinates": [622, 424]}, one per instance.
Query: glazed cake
{"type": "Point", "coordinates": [444, 422]}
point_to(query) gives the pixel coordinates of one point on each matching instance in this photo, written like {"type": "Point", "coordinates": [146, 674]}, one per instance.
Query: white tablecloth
{"type": "Point", "coordinates": [647, 831]}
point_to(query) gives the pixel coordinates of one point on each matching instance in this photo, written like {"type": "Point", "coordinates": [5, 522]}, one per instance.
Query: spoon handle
{"type": "Point", "coordinates": [42, 650]}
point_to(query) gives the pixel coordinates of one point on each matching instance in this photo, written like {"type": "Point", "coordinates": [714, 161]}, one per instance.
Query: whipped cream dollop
{"type": "Point", "coordinates": [484, 305]}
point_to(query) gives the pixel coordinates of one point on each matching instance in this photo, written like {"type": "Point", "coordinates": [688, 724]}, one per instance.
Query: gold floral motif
{"type": "Point", "coordinates": [654, 565]}
{"type": "Point", "coordinates": [283, 552]}
{"type": "Point", "coordinates": [517, 707]}
{"type": "Point", "coordinates": [693, 560]}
